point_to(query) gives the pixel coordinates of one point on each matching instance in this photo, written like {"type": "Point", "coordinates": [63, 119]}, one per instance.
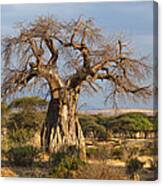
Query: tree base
{"type": "Point", "coordinates": [62, 130]}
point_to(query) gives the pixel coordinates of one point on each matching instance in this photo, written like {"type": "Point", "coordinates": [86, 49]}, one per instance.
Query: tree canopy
{"type": "Point", "coordinates": [75, 54]}
{"type": "Point", "coordinates": [33, 102]}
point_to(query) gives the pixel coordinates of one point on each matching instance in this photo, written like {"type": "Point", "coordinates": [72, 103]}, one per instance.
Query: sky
{"type": "Point", "coordinates": [134, 19]}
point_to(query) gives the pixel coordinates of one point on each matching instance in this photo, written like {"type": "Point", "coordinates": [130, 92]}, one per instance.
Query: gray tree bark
{"type": "Point", "coordinates": [61, 128]}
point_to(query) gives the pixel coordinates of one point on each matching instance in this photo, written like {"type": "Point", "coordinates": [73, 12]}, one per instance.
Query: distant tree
{"type": "Point", "coordinates": [22, 127]}
{"type": "Point", "coordinates": [23, 124]}
{"type": "Point", "coordinates": [32, 103]}
{"type": "Point", "coordinates": [69, 57]}
{"type": "Point", "coordinates": [128, 122]}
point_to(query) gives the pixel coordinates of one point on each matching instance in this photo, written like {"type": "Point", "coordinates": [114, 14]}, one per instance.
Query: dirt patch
{"type": "Point", "coordinates": [7, 172]}
{"type": "Point", "coordinates": [111, 162]}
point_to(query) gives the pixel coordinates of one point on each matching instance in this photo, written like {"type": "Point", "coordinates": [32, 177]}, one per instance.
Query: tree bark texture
{"type": "Point", "coordinates": [61, 128]}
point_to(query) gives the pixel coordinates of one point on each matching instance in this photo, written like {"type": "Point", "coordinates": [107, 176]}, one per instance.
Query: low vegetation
{"type": "Point", "coordinates": [33, 103]}
{"type": "Point", "coordinates": [22, 126]}
{"type": "Point", "coordinates": [90, 125]}
{"type": "Point", "coordinates": [99, 153]}
{"type": "Point", "coordinates": [100, 125]}
{"type": "Point", "coordinates": [21, 121]}
{"type": "Point", "coordinates": [62, 164]}
{"type": "Point", "coordinates": [133, 168]}
{"type": "Point", "coordinates": [22, 156]}
{"type": "Point", "coordinates": [128, 121]}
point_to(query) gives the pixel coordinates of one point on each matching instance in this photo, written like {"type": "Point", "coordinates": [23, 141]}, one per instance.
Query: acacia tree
{"type": "Point", "coordinates": [69, 57]}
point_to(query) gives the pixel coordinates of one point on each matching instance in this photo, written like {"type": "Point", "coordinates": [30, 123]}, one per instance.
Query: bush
{"type": "Point", "coordinates": [133, 166]}
{"type": "Point", "coordinates": [21, 121]}
{"type": "Point", "coordinates": [29, 102]}
{"type": "Point", "coordinates": [22, 156]}
{"type": "Point", "coordinates": [101, 171]}
{"type": "Point", "coordinates": [100, 153]}
{"type": "Point", "coordinates": [100, 124]}
{"type": "Point", "coordinates": [89, 124]}
{"type": "Point", "coordinates": [149, 149]}
{"type": "Point", "coordinates": [92, 153]}
{"type": "Point", "coordinates": [103, 119]}
{"type": "Point", "coordinates": [131, 121]}
{"type": "Point", "coordinates": [22, 126]}
{"type": "Point", "coordinates": [62, 163]}
{"type": "Point", "coordinates": [117, 153]}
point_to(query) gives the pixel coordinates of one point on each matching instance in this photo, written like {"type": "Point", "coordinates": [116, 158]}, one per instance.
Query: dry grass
{"type": "Point", "coordinates": [95, 168]}
{"type": "Point", "coordinates": [101, 171]}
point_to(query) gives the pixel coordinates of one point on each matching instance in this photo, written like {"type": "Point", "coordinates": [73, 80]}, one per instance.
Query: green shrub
{"type": "Point", "coordinates": [92, 153]}
{"type": "Point", "coordinates": [22, 156]}
{"type": "Point", "coordinates": [101, 124]}
{"type": "Point", "coordinates": [62, 163]}
{"type": "Point", "coordinates": [22, 126]}
{"type": "Point", "coordinates": [129, 121]}
{"type": "Point", "coordinates": [133, 166]}
{"type": "Point", "coordinates": [29, 102]}
{"type": "Point", "coordinates": [100, 153]}
{"type": "Point", "coordinates": [103, 119]}
{"type": "Point", "coordinates": [117, 153]}
{"type": "Point", "coordinates": [149, 149]}
{"type": "Point", "coordinates": [21, 120]}
{"type": "Point", "coordinates": [89, 124]}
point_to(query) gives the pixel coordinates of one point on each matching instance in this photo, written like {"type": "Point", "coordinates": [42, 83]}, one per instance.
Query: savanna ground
{"type": "Point", "coordinates": [109, 156]}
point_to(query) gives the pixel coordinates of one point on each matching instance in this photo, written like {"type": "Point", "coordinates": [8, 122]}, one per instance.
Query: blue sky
{"type": "Point", "coordinates": [135, 19]}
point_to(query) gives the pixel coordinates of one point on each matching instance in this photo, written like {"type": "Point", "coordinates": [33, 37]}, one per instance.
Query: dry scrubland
{"type": "Point", "coordinates": [117, 147]}
{"type": "Point", "coordinates": [67, 58]}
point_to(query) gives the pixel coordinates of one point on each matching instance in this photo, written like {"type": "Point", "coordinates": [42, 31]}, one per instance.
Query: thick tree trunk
{"type": "Point", "coordinates": [62, 128]}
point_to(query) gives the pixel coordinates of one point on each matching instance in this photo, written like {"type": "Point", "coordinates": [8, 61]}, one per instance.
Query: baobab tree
{"type": "Point", "coordinates": [69, 57]}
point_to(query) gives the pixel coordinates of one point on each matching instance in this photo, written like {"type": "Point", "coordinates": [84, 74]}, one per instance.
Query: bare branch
{"type": "Point", "coordinates": [85, 54]}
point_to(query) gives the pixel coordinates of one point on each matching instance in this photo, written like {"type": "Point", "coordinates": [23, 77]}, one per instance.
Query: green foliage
{"type": "Point", "coordinates": [128, 121]}
{"type": "Point", "coordinates": [117, 152]}
{"type": "Point", "coordinates": [92, 153]}
{"type": "Point", "coordinates": [103, 119]}
{"type": "Point", "coordinates": [100, 125]}
{"type": "Point", "coordinates": [22, 156]}
{"type": "Point", "coordinates": [100, 153]}
{"type": "Point", "coordinates": [62, 163]}
{"type": "Point", "coordinates": [23, 125]}
{"type": "Point", "coordinates": [149, 149]}
{"type": "Point", "coordinates": [133, 166]}
{"type": "Point", "coordinates": [154, 120]}
{"type": "Point", "coordinates": [33, 103]}
{"type": "Point", "coordinates": [89, 124]}
{"type": "Point", "coordinates": [19, 126]}
{"type": "Point", "coordinates": [86, 119]}
{"type": "Point", "coordinates": [141, 122]}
